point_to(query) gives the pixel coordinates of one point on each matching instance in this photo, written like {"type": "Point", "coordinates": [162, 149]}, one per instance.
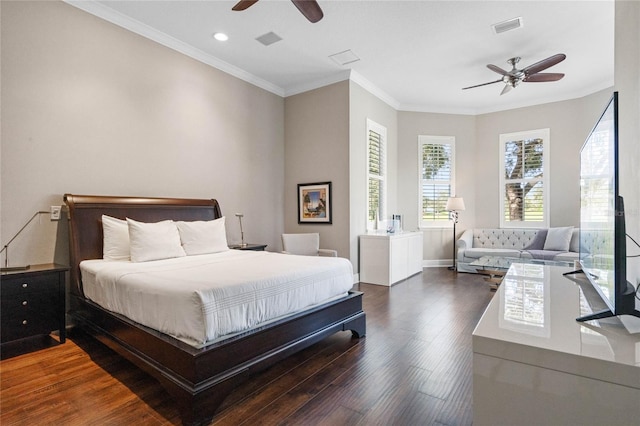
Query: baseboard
{"type": "Point", "coordinates": [437, 263]}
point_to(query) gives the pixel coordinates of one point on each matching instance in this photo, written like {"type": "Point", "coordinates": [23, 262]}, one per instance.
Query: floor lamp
{"type": "Point", "coordinates": [454, 205]}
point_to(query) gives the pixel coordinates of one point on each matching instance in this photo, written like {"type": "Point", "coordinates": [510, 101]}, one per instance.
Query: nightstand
{"type": "Point", "coordinates": [32, 302]}
{"type": "Point", "coordinates": [249, 246]}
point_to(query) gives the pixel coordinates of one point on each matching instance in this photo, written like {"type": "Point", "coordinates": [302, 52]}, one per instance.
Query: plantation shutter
{"type": "Point", "coordinates": [377, 164]}
{"type": "Point", "coordinates": [376, 174]}
{"type": "Point", "coordinates": [436, 179]}
{"type": "Point", "coordinates": [524, 180]}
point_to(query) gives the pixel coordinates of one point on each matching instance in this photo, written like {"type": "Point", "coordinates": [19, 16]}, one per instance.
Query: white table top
{"type": "Point", "coordinates": [531, 319]}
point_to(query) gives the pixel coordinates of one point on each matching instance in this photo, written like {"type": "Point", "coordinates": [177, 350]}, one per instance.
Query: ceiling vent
{"type": "Point", "coordinates": [504, 26]}
{"type": "Point", "coordinates": [269, 38]}
{"type": "Point", "coordinates": [344, 58]}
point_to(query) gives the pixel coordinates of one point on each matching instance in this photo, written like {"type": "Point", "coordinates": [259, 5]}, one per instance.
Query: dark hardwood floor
{"type": "Point", "coordinates": [412, 368]}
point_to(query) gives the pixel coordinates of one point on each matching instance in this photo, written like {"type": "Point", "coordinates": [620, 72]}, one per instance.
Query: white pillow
{"type": "Point", "coordinates": [558, 239]}
{"type": "Point", "coordinates": [202, 237]}
{"type": "Point", "coordinates": [115, 241]}
{"type": "Point", "coordinates": [154, 241]}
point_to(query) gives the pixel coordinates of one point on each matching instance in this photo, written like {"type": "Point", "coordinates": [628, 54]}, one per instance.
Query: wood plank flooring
{"type": "Point", "coordinates": [412, 368]}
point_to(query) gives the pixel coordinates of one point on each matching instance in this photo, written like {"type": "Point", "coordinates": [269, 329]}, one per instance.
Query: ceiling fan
{"type": "Point", "coordinates": [309, 8]}
{"type": "Point", "coordinates": [530, 74]}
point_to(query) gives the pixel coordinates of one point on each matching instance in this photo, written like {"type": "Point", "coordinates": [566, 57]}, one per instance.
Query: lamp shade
{"type": "Point", "coordinates": [455, 204]}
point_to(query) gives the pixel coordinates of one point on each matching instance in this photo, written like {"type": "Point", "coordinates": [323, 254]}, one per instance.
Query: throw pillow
{"type": "Point", "coordinates": [558, 239]}
{"type": "Point", "coordinates": [154, 241]}
{"type": "Point", "coordinates": [538, 240]}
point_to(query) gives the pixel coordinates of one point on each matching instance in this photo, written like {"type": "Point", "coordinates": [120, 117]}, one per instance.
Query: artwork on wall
{"type": "Point", "coordinates": [314, 202]}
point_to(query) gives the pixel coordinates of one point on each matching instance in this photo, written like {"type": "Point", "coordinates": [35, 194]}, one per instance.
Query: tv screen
{"type": "Point", "coordinates": [598, 182]}
{"type": "Point", "coordinates": [602, 220]}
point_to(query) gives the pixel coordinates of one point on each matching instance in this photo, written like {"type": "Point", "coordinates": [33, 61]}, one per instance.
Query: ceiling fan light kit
{"type": "Point", "coordinates": [530, 74]}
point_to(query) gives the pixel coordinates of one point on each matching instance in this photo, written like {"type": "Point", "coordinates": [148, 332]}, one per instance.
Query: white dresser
{"type": "Point", "coordinates": [534, 364]}
{"type": "Point", "coordinates": [386, 259]}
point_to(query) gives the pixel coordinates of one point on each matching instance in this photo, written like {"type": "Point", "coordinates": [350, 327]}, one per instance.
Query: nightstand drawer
{"type": "Point", "coordinates": [45, 303]}
{"type": "Point", "coordinates": [25, 326]}
{"type": "Point", "coordinates": [21, 285]}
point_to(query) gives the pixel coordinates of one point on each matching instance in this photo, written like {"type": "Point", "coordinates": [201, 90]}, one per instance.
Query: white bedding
{"type": "Point", "coordinates": [199, 299]}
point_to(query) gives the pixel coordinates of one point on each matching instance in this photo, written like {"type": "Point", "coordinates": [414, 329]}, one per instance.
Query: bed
{"type": "Point", "coordinates": [198, 376]}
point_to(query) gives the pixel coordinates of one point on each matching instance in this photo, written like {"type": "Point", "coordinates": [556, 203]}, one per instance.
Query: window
{"type": "Point", "coordinates": [524, 179]}
{"type": "Point", "coordinates": [436, 160]}
{"type": "Point", "coordinates": [376, 173]}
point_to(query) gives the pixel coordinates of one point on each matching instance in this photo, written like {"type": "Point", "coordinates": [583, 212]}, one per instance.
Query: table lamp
{"type": "Point", "coordinates": [242, 243]}
{"type": "Point", "coordinates": [5, 248]}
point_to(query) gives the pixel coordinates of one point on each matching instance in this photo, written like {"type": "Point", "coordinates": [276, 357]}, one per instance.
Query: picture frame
{"type": "Point", "coordinates": [314, 203]}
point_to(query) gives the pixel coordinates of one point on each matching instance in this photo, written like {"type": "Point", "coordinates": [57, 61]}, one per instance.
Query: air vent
{"type": "Point", "coordinates": [344, 58]}
{"type": "Point", "coordinates": [504, 26]}
{"type": "Point", "coordinates": [269, 38]}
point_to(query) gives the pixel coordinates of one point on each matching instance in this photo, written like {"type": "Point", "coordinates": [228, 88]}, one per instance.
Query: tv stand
{"type": "Point", "coordinates": [534, 364]}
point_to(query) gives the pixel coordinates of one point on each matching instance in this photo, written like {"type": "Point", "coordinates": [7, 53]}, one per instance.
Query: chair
{"type": "Point", "coordinates": [305, 244]}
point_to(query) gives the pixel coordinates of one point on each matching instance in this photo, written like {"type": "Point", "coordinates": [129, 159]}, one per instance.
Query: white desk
{"type": "Point", "coordinates": [534, 364]}
{"type": "Point", "coordinates": [386, 259]}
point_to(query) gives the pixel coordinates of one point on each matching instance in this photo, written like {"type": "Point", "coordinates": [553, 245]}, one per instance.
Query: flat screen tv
{"type": "Point", "coordinates": [602, 220]}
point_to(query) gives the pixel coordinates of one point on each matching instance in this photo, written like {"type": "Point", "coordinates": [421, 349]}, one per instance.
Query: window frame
{"type": "Point", "coordinates": [545, 135]}
{"type": "Point", "coordinates": [435, 140]}
{"type": "Point", "coordinates": [372, 126]}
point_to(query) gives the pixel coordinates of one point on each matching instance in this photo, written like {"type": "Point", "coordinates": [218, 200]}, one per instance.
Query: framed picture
{"type": "Point", "coordinates": [314, 202]}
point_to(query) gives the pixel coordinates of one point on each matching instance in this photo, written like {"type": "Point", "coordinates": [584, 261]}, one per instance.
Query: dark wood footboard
{"type": "Point", "coordinates": [200, 379]}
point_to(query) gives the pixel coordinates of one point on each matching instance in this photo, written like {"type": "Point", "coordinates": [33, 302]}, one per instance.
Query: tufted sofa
{"type": "Point", "coordinates": [475, 243]}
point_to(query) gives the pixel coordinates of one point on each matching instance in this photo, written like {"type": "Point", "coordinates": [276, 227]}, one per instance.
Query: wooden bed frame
{"type": "Point", "coordinates": [198, 379]}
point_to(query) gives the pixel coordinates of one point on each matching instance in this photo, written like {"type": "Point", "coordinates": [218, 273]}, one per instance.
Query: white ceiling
{"type": "Point", "coordinates": [414, 55]}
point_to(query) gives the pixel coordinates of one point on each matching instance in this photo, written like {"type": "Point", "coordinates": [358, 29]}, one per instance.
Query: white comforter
{"type": "Point", "coordinates": [199, 299]}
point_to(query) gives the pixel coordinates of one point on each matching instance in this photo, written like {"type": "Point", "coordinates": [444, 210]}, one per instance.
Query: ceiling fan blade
{"type": "Point", "coordinates": [310, 9]}
{"type": "Point", "coordinates": [483, 84]}
{"type": "Point", "coordinates": [544, 64]}
{"type": "Point", "coordinates": [543, 77]}
{"type": "Point", "coordinates": [507, 88]}
{"type": "Point", "coordinates": [244, 4]}
{"type": "Point", "coordinates": [497, 69]}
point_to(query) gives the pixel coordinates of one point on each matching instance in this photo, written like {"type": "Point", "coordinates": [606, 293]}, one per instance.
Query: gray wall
{"type": "Point", "coordinates": [317, 150]}
{"type": "Point", "coordinates": [90, 108]}
{"type": "Point", "coordinates": [569, 123]}
{"type": "Point", "coordinates": [438, 242]}
{"type": "Point", "coordinates": [363, 105]}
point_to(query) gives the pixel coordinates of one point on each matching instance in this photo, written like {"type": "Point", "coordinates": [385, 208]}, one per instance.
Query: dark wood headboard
{"type": "Point", "coordinates": [85, 221]}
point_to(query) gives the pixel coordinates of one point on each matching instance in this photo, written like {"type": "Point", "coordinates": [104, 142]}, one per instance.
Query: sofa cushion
{"type": "Point", "coordinates": [558, 239]}
{"type": "Point", "coordinates": [541, 254]}
{"type": "Point", "coordinates": [476, 253]}
{"type": "Point", "coordinates": [567, 256]}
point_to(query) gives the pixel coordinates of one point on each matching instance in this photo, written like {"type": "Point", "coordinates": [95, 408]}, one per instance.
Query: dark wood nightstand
{"type": "Point", "coordinates": [32, 303]}
{"type": "Point", "coordinates": [249, 246]}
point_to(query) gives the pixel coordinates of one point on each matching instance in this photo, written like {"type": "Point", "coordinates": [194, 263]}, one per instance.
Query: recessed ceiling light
{"type": "Point", "coordinates": [221, 36]}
